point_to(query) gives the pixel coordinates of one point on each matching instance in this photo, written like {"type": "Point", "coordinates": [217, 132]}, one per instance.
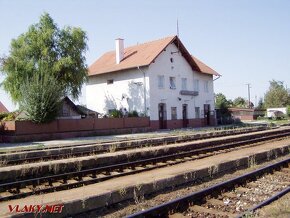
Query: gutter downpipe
{"type": "Point", "coordinates": [144, 89]}
{"type": "Point", "coordinates": [219, 76]}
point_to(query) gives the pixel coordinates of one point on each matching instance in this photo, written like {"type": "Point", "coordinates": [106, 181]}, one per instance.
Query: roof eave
{"type": "Point", "coordinates": [122, 69]}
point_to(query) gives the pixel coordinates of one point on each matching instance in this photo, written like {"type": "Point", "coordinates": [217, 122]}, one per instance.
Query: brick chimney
{"type": "Point", "coordinates": [119, 50]}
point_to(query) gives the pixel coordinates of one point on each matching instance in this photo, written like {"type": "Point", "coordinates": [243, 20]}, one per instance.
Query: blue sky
{"type": "Point", "coordinates": [247, 41]}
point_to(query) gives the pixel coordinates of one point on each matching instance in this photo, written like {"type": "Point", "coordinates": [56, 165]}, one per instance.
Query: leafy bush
{"type": "Point", "coordinates": [115, 113]}
{"type": "Point", "coordinates": [261, 118]}
{"type": "Point", "coordinates": [7, 116]}
{"type": "Point", "coordinates": [3, 115]}
{"type": "Point", "coordinates": [42, 95]}
{"type": "Point", "coordinates": [133, 114]}
{"type": "Point", "coordinates": [288, 110]}
{"type": "Point", "coordinates": [284, 117]}
{"type": "Point", "coordinates": [271, 124]}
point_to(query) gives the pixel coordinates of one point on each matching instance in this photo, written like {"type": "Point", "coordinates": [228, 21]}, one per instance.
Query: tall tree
{"type": "Point", "coordinates": [46, 46]}
{"type": "Point", "coordinates": [261, 104]}
{"type": "Point", "coordinates": [221, 101]}
{"type": "Point", "coordinates": [277, 95]}
{"type": "Point", "coordinates": [240, 102]}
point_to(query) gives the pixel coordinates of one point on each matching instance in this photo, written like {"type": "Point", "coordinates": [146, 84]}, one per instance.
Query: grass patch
{"type": "Point", "coordinates": [279, 208]}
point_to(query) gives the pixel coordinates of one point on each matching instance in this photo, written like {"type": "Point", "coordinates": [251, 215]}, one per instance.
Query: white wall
{"type": "Point", "coordinates": [271, 111]}
{"type": "Point", "coordinates": [102, 96]}
{"type": "Point", "coordinates": [179, 69]}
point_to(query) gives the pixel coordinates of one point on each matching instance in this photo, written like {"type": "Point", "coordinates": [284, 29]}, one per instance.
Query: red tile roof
{"type": "Point", "coordinates": [143, 55]}
{"type": "Point", "coordinates": [204, 68]}
{"type": "Point", "coordinates": [3, 108]}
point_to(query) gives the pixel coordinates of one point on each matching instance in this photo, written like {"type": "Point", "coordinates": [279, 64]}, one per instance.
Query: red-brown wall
{"type": "Point", "coordinates": [67, 128]}
{"type": "Point", "coordinates": [72, 125]}
{"type": "Point", "coordinates": [17, 131]}
{"type": "Point", "coordinates": [175, 124]}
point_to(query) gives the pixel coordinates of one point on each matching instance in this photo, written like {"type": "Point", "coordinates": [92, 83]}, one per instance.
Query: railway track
{"type": "Point", "coordinates": [25, 187]}
{"type": "Point", "coordinates": [234, 131]}
{"type": "Point", "coordinates": [55, 154]}
{"type": "Point", "coordinates": [237, 197]}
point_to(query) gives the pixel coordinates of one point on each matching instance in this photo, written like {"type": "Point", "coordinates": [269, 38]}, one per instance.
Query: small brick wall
{"type": "Point", "coordinates": [20, 131]}
{"type": "Point", "coordinates": [72, 125]}
{"type": "Point", "coordinates": [175, 124]}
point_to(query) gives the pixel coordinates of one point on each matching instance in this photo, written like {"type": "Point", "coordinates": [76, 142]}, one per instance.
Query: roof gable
{"type": "Point", "coordinates": [72, 105]}
{"type": "Point", "coordinates": [143, 55]}
{"type": "Point", "coordinates": [3, 108]}
{"type": "Point", "coordinates": [204, 68]}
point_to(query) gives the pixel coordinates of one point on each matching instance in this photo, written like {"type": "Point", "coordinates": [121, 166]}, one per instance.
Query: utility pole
{"type": "Point", "coordinates": [249, 94]}
{"type": "Point", "coordinates": [256, 102]}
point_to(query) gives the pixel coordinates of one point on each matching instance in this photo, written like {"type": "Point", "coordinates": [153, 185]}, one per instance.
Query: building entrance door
{"type": "Point", "coordinates": [184, 116]}
{"type": "Point", "coordinates": [162, 116]}
{"type": "Point", "coordinates": [207, 114]}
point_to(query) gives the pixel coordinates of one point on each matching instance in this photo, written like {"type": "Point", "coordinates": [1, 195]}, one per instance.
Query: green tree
{"type": "Point", "coordinates": [261, 104]}
{"type": "Point", "coordinates": [222, 105]}
{"type": "Point", "coordinates": [45, 46]}
{"type": "Point", "coordinates": [277, 95]}
{"type": "Point", "coordinates": [41, 97]}
{"type": "Point", "coordinates": [221, 101]}
{"type": "Point", "coordinates": [288, 110]}
{"type": "Point", "coordinates": [240, 102]}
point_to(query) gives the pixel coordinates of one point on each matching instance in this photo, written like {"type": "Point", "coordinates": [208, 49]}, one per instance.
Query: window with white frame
{"type": "Point", "coordinates": [184, 83]}
{"type": "Point", "coordinates": [173, 113]}
{"type": "Point", "coordinates": [206, 86]}
{"type": "Point", "coordinates": [197, 112]}
{"type": "Point", "coordinates": [160, 81]}
{"type": "Point", "coordinates": [172, 81]}
{"type": "Point", "coordinates": [196, 85]}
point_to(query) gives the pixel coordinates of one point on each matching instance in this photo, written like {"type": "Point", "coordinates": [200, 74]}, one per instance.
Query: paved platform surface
{"type": "Point", "coordinates": [80, 140]}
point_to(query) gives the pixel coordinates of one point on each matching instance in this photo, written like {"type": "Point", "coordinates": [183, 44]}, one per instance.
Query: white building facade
{"type": "Point", "coordinates": [171, 87]}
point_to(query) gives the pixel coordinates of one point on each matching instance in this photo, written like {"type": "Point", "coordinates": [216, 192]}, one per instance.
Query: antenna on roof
{"type": "Point", "coordinates": [177, 32]}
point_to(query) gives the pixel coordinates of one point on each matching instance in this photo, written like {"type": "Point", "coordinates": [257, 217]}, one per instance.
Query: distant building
{"type": "Point", "coordinates": [3, 109]}
{"type": "Point", "coordinates": [276, 112]}
{"type": "Point", "coordinates": [87, 112]}
{"type": "Point", "coordinates": [68, 110]}
{"type": "Point", "coordinates": [259, 113]}
{"type": "Point", "coordinates": [242, 114]}
{"type": "Point", "coordinates": [160, 79]}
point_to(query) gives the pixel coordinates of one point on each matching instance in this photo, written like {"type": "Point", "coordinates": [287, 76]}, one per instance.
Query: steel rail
{"type": "Point", "coordinates": [181, 204]}
{"type": "Point", "coordinates": [86, 153]}
{"type": "Point", "coordinates": [106, 170]}
{"type": "Point", "coordinates": [171, 139]}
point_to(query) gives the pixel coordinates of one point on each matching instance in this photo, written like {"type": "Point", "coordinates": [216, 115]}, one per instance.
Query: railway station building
{"type": "Point", "coordinates": [159, 79]}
